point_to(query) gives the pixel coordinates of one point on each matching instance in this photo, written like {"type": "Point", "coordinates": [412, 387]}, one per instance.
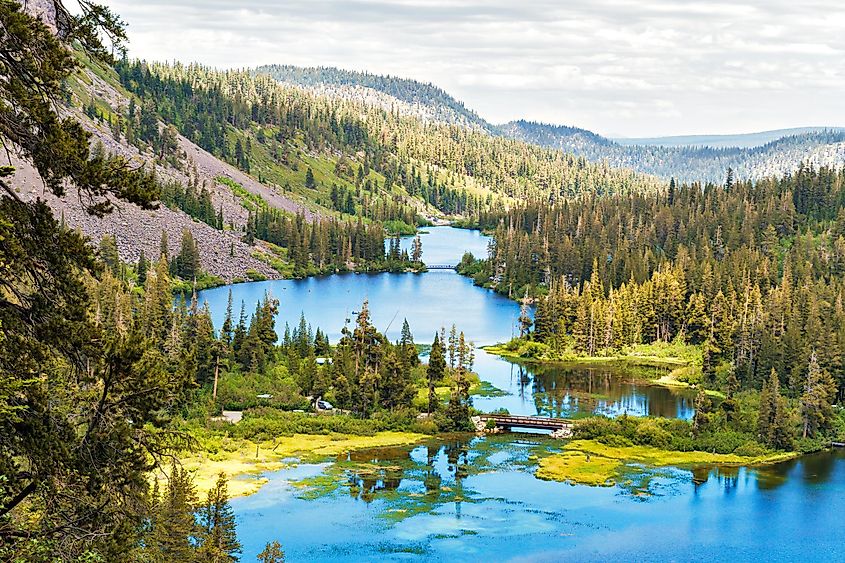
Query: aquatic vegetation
{"type": "Point", "coordinates": [590, 462]}
{"type": "Point", "coordinates": [579, 468]}
{"type": "Point", "coordinates": [244, 461]}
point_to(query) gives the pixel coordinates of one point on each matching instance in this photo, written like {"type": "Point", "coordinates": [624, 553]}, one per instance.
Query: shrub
{"type": "Point", "coordinates": [534, 350]}
{"type": "Point", "coordinates": [649, 433]}
{"type": "Point", "coordinates": [721, 442]}
{"type": "Point", "coordinates": [424, 427]}
{"type": "Point", "coordinates": [595, 427]}
{"type": "Point", "coordinates": [615, 441]}
{"type": "Point", "coordinates": [750, 449]}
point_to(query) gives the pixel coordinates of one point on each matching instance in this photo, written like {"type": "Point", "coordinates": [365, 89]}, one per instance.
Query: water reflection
{"type": "Point", "coordinates": [574, 391]}
{"type": "Point", "coordinates": [469, 500]}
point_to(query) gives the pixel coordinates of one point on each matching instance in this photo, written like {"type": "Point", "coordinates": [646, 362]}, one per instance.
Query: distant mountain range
{"type": "Point", "coordinates": [695, 161]}
{"type": "Point", "coordinates": [686, 158]}
{"type": "Point", "coordinates": [741, 140]}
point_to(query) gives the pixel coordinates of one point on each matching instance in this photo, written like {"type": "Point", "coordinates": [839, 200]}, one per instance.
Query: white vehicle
{"type": "Point", "coordinates": [324, 406]}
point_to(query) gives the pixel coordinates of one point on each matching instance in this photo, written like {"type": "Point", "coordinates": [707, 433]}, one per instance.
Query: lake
{"type": "Point", "coordinates": [438, 299]}
{"type": "Point", "coordinates": [477, 499]}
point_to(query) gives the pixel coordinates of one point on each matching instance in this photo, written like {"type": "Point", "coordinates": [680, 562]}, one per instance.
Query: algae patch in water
{"type": "Point", "coordinates": [579, 468]}
{"type": "Point", "coordinates": [589, 462]}
{"type": "Point", "coordinates": [244, 461]}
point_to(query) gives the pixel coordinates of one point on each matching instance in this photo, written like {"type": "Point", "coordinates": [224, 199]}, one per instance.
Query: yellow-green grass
{"type": "Point", "coordinates": [573, 467]}
{"type": "Point", "coordinates": [244, 461]}
{"type": "Point", "coordinates": [589, 462]}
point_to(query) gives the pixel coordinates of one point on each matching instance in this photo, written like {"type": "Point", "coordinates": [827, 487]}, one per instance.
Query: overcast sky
{"type": "Point", "coordinates": [618, 67]}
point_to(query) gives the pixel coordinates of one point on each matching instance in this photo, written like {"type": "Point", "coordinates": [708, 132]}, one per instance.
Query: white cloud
{"type": "Point", "coordinates": [633, 67]}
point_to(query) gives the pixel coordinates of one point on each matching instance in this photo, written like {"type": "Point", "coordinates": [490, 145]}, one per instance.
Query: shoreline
{"type": "Point", "coordinates": [244, 462]}
{"type": "Point", "coordinates": [669, 379]}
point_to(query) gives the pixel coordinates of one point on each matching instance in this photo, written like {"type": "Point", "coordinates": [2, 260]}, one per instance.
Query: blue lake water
{"type": "Point", "coordinates": [498, 511]}
{"type": "Point", "coordinates": [478, 499]}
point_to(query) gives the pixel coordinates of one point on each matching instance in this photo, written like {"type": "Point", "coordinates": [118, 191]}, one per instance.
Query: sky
{"type": "Point", "coordinates": [618, 67]}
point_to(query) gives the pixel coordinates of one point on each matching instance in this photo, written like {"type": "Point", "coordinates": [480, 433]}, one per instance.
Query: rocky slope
{"type": "Point", "coordinates": [223, 253]}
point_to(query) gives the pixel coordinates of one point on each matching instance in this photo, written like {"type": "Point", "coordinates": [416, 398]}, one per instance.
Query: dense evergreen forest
{"type": "Point", "coordinates": [438, 104]}
{"type": "Point", "coordinates": [752, 273]}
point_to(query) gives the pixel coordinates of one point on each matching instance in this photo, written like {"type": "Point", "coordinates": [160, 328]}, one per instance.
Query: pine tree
{"type": "Point", "coordinates": [239, 335]}
{"type": "Point", "coordinates": [163, 247]}
{"type": "Point", "coordinates": [416, 249]}
{"type": "Point", "coordinates": [218, 540]}
{"type": "Point", "coordinates": [310, 182]}
{"type": "Point", "coordinates": [172, 538]}
{"type": "Point", "coordinates": [368, 354]}
{"type": "Point", "coordinates": [227, 329]}
{"type": "Point", "coordinates": [729, 405]}
{"type": "Point", "coordinates": [702, 410]}
{"type": "Point", "coordinates": [453, 346]}
{"type": "Point", "coordinates": [773, 419]}
{"type": "Point", "coordinates": [141, 269]}
{"type": "Point", "coordinates": [406, 341]}
{"type": "Point", "coordinates": [108, 254]}
{"type": "Point", "coordinates": [525, 320]}
{"type": "Point", "coordinates": [817, 400]}
{"type": "Point", "coordinates": [435, 371]}
{"type": "Point", "coordinates": [396, 388]}
{"type": "Point", "coordinates": [457, 411]}
{"type": "Point", "coordinates": [768, 406]}
{"type": "Point", "coordinates": [187, 262]}
{"type": "Point", "coordinates": [272, 552]}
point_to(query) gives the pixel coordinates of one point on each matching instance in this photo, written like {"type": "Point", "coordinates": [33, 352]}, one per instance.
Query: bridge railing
{"type": "Point", "coordinates": [528, 421]}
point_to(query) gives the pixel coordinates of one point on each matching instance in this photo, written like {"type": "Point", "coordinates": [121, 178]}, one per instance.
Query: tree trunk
{"type": "Point", "coordinates": [216, 374]}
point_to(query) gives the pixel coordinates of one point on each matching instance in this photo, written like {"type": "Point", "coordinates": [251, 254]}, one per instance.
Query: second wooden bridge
{"type": "Point", "coordinates": [559, 426]}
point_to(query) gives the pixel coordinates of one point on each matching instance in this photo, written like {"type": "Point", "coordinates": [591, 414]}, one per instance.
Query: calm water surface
{"type": "Point", "coordinates": [478, 500]}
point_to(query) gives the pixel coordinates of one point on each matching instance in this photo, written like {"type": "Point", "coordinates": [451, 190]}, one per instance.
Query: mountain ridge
{"type": "Point", "coordinates": [683, 157]}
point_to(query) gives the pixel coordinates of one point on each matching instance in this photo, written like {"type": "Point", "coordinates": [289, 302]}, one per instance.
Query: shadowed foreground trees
{"type": "Point", "coordinates": [84, 409]}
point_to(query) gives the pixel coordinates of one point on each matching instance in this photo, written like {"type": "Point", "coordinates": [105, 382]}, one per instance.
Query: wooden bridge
{"type": "Point", "coordinates": [508, 422]}
{"type": "Point", "coordinates": [440, 266]}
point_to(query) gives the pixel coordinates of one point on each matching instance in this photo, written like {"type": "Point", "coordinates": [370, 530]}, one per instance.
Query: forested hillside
{"type": "Point", "coordinates": [426, 101]}
{"type": "Point", "coordinates": [753, 273]}
{"type": "Point", "coordinates": [219, 108]}
{"type": "Point", "coordinates": [691, 163]}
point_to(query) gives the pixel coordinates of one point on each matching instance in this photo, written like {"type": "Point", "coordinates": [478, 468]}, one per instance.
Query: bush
{"type": "Point", "coordinates": [425, 427]}
{"type": "Point", "coordinates": [750, 449]}
{"type": "Point", "coordinates": [595, 427]}
{"type": "Point", "coordinates": [534, 350]}
{"type": "Point", "coordinates": [615, 441]}
{"type": "Point", "coordinates": [649, 433]}
{"type": "Point", "coordinates": [721, 442]}
{"type": "Point", "coordinates": [237, 391]}
{"type": "Point", "coordinates": [255, 275]}
{"type": "Point", "coordinates": [268, 423]}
